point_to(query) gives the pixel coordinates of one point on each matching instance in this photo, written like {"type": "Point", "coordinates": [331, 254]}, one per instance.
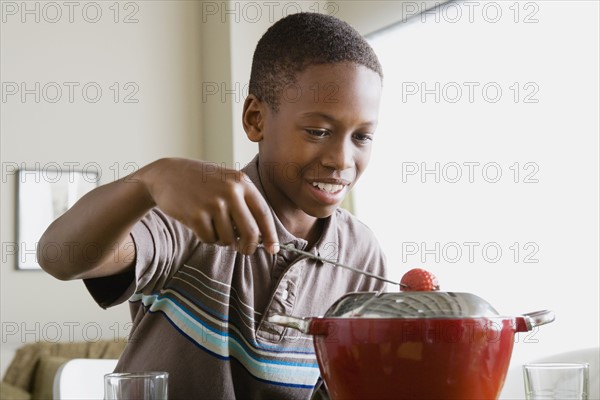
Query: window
{"type": "Point", "coordinates": [485, 162]}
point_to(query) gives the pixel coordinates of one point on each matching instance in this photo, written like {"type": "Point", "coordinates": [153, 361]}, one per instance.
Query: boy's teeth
{"type": "Point", "coordinates": [328, 187]}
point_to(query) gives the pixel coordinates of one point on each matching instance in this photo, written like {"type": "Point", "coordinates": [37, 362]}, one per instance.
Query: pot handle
{"type": "Point", "coordinates": [538, 318]}
{"type": "Point", "coordinates": [301, 324]}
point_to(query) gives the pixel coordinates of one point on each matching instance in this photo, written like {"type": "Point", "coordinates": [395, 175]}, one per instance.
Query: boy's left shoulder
{"type": "Point", "coordinates": [358, 244]}
{"type": "Point", "coordinates": [351, 226]}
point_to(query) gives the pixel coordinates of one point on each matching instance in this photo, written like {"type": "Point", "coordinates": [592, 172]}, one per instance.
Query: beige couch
{"type": "Point", "coordinates": [30, 375]}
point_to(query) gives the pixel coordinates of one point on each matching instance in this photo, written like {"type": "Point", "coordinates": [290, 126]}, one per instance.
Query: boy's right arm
{"type": "Point", "coordinates": [220, 205]}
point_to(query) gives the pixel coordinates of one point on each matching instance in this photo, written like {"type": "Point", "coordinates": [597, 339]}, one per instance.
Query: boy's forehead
{"type": "Point", "coordinates": [334, 89]}
{"type": "Point", "coordinates": [324, 82]}
{"type": "Point", "coordinates": [316, 71]}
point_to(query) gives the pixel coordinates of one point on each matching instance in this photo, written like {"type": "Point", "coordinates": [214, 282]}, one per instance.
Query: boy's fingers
{"type": "Point", "coordinates": [202, 225]}
{"type": "Point", "coordinates": [262, 214]}
{"type": "Point", "coordinates": [272, 247]}
{"type": "Point", "coordinates": [246, 227]}
{"type": "Point", "coordinates": [224, 227]}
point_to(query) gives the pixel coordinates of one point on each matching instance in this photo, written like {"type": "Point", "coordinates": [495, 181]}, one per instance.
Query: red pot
{"type": "Point", "coordinates": [364, 353]}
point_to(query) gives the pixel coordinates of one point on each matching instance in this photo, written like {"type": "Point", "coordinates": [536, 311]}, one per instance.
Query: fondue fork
{"type": "Point", "coordinates": [337, 264]}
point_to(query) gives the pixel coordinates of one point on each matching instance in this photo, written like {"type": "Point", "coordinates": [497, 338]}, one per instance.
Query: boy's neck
{"type": "Point", "coordinates": [296, 221]}
{"type": "Point", "coordinates": [303, 226]}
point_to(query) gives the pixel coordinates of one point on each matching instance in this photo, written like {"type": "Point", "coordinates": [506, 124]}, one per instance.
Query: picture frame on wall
{"type": "Point", "coordinates": [42, 196]}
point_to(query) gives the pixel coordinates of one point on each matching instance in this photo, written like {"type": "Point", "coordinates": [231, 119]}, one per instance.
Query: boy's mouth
{"type": "Point", "coordinates": [328, 187]}
{"type": "Point", "coordinates": [329, 192]}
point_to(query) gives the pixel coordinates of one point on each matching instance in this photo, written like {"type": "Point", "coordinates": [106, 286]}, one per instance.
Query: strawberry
{"type": "Point", "coordinates": [419, 280]}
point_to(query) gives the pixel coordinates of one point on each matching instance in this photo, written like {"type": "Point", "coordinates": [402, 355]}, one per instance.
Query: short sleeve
{"type": "Point", "coordinates": [162, 245]}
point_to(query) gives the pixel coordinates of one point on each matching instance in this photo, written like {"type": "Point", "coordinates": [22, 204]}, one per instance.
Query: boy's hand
{"type": "Point", "coordinates": [220, 205]}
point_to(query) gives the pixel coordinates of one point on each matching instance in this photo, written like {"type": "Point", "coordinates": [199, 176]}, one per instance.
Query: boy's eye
{"type": "Point", "coordinates": [317, 132]}
{"type": "Point", "coordinates": [363, 137]}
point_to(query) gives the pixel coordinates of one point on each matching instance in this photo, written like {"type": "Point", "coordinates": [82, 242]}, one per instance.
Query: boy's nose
{"type": "Point", "coordinates": [338, 155]}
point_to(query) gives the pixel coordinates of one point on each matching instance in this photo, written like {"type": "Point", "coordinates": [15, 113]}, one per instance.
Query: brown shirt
{"type": "Point", "coordinates": [200, 311]}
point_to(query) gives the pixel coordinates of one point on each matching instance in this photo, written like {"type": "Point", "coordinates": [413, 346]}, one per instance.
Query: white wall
{"type": "Point", "coordinates": [160, 56]}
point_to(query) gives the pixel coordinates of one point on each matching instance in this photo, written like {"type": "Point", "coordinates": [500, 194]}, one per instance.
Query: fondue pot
{"type": "Point", "coordinates": [413, 345]}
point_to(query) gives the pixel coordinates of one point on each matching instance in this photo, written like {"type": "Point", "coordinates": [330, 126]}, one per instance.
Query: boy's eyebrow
{"type": "Point", "coordinates": [326, 117]}
{"type": "Point", "coordinates": [319, 114]}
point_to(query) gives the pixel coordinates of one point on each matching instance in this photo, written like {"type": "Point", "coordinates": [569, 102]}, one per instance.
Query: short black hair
{"type": "Point", "coordinates": [299, 40]}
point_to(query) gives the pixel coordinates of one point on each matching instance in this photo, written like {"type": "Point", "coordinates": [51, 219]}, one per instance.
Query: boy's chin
{"type": "Point", "coordinates": [322, 212]}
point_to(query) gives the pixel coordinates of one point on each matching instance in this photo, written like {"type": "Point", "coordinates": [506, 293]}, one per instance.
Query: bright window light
{"type": "Point", "coordinates": [485, 162]}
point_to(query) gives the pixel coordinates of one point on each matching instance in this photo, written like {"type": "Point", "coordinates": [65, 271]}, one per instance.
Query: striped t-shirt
{"type": "Point", "coordinates": [200, 311]}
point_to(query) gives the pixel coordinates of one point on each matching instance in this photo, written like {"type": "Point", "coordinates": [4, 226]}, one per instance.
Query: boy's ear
{"type": "Point", "coordinates": [253, 118]}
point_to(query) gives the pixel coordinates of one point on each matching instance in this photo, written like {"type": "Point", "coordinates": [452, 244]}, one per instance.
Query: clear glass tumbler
{"type": "Point", "coordinates": [136, 386]}
{"type": "Point", "coordinates": [556, 381]}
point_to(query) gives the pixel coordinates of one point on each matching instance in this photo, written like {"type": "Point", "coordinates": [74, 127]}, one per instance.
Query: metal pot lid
{"type": "Point", "coordinates": [411, 305]}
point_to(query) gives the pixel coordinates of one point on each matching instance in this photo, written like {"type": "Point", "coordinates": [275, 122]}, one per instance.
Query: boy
{"type": "Point", "coordinates": [200, 289]}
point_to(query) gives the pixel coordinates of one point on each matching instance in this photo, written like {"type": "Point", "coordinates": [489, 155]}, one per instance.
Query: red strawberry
{"type": "Point", "coordinates": [419, 280]}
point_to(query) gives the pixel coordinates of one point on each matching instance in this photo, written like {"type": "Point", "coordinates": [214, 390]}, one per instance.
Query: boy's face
{"type": "Point", "coordinates": [315, 147]}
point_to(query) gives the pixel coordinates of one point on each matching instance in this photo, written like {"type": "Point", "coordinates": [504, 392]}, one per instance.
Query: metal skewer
{"type": "Point", "coordinates": [337, 264]}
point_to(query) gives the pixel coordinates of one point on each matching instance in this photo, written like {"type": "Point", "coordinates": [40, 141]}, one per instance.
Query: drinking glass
{"type": "Point", "coordinates": [556, 381]}
{"type": "Point", "coordinates": [136, 386]}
